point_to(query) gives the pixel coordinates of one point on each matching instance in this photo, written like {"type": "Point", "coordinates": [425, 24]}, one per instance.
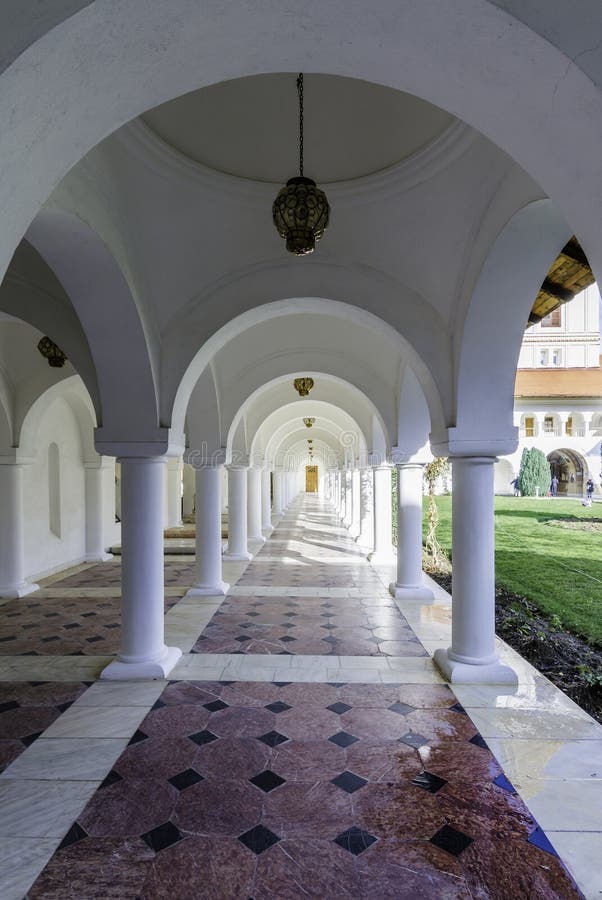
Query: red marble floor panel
{"type": "Point", "coordinates": [326, 626]}
{"type": "Point", "coordinates": [62, 626]}
{"type": "Point", "coordinates": [216, 797]}
{"type": "Point", "coordinates": [27, 709]}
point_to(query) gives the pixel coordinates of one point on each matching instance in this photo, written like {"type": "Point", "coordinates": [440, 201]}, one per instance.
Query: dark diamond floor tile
{"type": "Point", "coordinates": [339, 708]}
{"type": "Point", "coordinates": [414, 740]}
{"type": "Point", "coordinates": [457, 707]}
{"type": "Point", "coordinates": [287, 638]}
{"type": "Point", "coordinates": [278, 707]}
{"type": "Point", "coordinates": [267, 781]}
{"type": "Point", "coordinates": [282, 683]}
{"type": "Point", "coordinates": [343, 739]}
{"type": "Point", "coordinates": [502, 782]}
{"type": "Point", "coordinates": [451, 840]}
{"type": "Point", "coordinates": [215, 705]}
{"type": "Point", "coordinates": [163, 836]}
{"type": "Point", "coordinates": [259, 839]}
{"type": "Point", "coordinates": [479, 741]}
{"type": "Point", "coordinates": [203, 737]}
{"type": "Point", "coordinates": [12, 704]}
{"type": "Point", "coordinates": [185, 779]}
{"type": "Point", "coordinates": [112, 778]}
{"type": "Point", "coordinates": [538, 839]}
{"type": "Point", "coordinates": [30, 738]}
{"type": "Point", "coordinates": [158, 704]}
{"type": "Point", "coordinates": [349, 782]}
{"type": "Point", "coordinates": [273, 738]}
{"type": "Point", "coordinates": [429, 782]}
{"type": "Point", "coordinates": [402, 708]}
{"type": "Point", "coordinates": [355, 840]}
{"type": "Point", "coordinates": [137, 737]}
{"type": "Point", "coordinates": [76, 833]}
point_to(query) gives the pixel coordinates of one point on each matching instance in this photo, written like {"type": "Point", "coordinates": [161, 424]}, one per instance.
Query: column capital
{"type": "Point", "coordinates": [456, 443]}
{"type": "Point", "coordinates": [14, 457]}
{"type": "Point", "coordinates": [142, 460]}
{"type": "Point", "coordinates": [157, 442]}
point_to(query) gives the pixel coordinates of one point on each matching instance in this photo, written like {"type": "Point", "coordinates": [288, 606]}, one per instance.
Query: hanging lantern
{"type": "Point", "coordinates": [49, 350]}
{"type": "Point", "coordinates": [308, 422]}
{"type": "Point", "coordinates": [303, 386]}
{"type": "Point", "coordinates": [301, 211]}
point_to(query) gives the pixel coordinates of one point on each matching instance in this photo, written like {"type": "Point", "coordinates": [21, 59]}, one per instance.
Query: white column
{"type": "Point", "coordinates": [143, 651]}
{"type": "Point", "coordinates": [254, 505]}
{"type": "Point", "coordinates": [95, 512]}
{"type": "Point", "coordinates": [472, 656]}
{"type": "Point", "coordinates": [278, 498]}
{"type": "Point", "coordinates": [366, 535]}
{"type": "Point", "coordinates": [174, 492]}
{"type": "Point", "coordinates": [237, 514]}
{"type": "Point", "coordinates": [383, 516]}
{"type": "Point", "coordinates": [266, 502]}
{"type": "Point", "coordinates": [188, 479]}
{"type": "Point", "coordinates": [354, 527]}
{"type": "Point", "coordinates": [208, 577]}
{"type": "Point", "coordinates": [12, 552]}
{"type": "Point", "coordinates": [408, 585]}
{"type": "Point", "coordinates": [347, 510]}
{"type": "Point", "coordinates": [339, 496]}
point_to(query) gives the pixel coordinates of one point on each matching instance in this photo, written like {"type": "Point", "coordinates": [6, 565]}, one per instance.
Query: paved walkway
{"type": "Point", "coordinates": [305, 745]}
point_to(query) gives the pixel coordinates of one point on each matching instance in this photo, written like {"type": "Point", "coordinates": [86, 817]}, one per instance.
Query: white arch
{"type": "Point", "coordinates": [72, 391]}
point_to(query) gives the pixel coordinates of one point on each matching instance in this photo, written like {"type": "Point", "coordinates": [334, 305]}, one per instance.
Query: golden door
{"type": "Point", "coordinates": [311, 479]}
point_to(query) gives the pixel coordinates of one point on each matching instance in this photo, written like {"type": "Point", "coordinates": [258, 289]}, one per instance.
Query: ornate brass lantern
{"type": "Point", "coordinates": [308, 422]}
{"type": "Point", "coordinates": [303, 386]}
{"type": "Point", "coordinates": [49, 350]}
{"type": "Point", "coordinates": [301, 211]}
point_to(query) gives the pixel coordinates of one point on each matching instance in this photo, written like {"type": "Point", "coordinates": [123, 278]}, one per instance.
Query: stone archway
{"type": "Point", "coordinates": [570, 468]}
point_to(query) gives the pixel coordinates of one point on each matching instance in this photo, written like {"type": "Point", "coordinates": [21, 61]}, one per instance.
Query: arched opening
{"type": "Point", "coordinates": [570, 468]}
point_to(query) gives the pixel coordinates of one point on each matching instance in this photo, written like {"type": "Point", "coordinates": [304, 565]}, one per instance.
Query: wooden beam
{"type": "Point", "coordinates": [572, 250]}
{"type": "Point", "coordinates": [560, 293]}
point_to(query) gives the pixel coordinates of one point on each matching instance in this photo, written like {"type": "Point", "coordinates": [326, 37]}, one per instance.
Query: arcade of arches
{"type": "Point", "coordinates": [275, 639]}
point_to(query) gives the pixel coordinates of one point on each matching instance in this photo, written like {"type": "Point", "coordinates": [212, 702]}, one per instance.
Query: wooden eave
{"type": "Point", "coordinates": [569, 274]}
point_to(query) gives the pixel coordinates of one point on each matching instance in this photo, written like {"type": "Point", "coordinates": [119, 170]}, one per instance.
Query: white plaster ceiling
{"type": "Point", "coordinates": [249, 126]}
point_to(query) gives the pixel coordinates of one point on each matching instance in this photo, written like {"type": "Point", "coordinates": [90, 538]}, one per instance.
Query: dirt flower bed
{"type": "Point", "coordinates": [569, 661]}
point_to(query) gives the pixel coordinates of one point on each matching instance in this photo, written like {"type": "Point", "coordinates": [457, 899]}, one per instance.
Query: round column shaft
{"type": "Point", "coordinates": [254, 532]}
{"type": "Point", "coordinates": [174, 493]}
{"type": "Point", "coordinates": [95, 513]}
{"type": "Point", "coordinates": [266, 502]}
{"type": "Point", "coordinates": [383, 516]}
{"type": "Point", "coordinates": [143, 651]}
{"type": "Point", "coordinates": [208, 578]}
{"type": "Point", "coordinates": [354, 526]}
{"type": "Point", "coordinates": [472, 656]}
{"type": "Point", "coordinates": [237, 514]}
{"type": "Point", "coordinates": [12, 535]}
{"type": "Point", "coordinates": [278, 498]}
{"type": "Point", "coordinates": [408, 585]}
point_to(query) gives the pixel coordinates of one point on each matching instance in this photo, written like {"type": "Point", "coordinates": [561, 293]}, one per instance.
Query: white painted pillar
{"type": "Point", "coordinates": [278, 490]}
{"type": "Point", "coordinates": [472, 656]}
{"type": "Point", "coordinates": [348, 508]}
{"type": "Point", "coordinates": [208, 577]}
{"type": "Point", "coordinates": [95, 512]}
{"type": "Point", "coordinates": [354, 527]}
{"type": "Point", "coordinates": [188, 478]}
{"type": "Point", "coordinates": [341, 505]}
{"type": "Point", "coordinates": [143, 651]}
{"type": "Point", "coordinates": [383, 519]}
{"type": "Point", "coordinates": [266, 502]}
{"type": "Point", "coordinates": [237, 514]}
{"type": "Point", "coordinates": [408, 585]}
{"type": "Point", "coordinates": [366, 535]}
{"type": "Point", "coordinates": [174, 492]}
{"type": "Point", "coordinates": [12, 542]}
{"type": "Point", "coordinates": [254, 532]}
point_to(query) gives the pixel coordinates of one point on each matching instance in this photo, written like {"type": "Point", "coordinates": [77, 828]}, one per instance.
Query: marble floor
{"type": "Point", "coordinates": [274, 768]}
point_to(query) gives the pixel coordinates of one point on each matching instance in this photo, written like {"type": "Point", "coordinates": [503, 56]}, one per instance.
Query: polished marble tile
{"type": "Point", "coordinates": [66, 759]}
{"type": "Point", "coordinates": [96, 722]}
{"type": "Point", "coordinates": [21, 861]}
{"type": "Point", "coordinates": [41, 808]}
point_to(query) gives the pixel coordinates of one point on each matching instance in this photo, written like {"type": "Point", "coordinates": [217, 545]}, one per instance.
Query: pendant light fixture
{"type": "Point", "coordinates": [300, 211]}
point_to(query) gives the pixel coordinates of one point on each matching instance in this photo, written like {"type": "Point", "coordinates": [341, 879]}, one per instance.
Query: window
{"type": "Point", "coordinates": [548, 425]}
{"type": "Point", "coordinates": [569, 426]}
{"type": "Point", "coordinates": [543, 357]}
{"type": "Point", "coordinates": [556, 356]}
{"type": "Point", "coordinates": [552, 320]}
{"type": "Point", "coordinates": [529, 426]}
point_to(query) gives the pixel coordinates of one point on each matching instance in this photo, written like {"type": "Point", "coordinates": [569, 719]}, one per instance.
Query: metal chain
{"type": "Point", "coordinates": [300, 93]}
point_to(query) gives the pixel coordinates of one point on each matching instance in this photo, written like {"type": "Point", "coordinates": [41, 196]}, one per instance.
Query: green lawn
{"type": "Point", "coordinates": [558, 569]}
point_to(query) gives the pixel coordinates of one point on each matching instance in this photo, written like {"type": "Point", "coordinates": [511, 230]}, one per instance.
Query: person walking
{"type": "Point", "coordinates": [554, 486]}
{"type": "Point", "coordinates": [589, 488]}
{"type": "Point", "coordinates": [515, 484]}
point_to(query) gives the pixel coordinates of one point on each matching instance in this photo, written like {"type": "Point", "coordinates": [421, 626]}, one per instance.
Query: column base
{"type": "Point", "coordinates": [258, 538]}
{"type": "Point", "coordinates": [403, 592]}
{"type": "Point", "coordinates": [354, 532]}
{"type": "Point", "coordinates": [14, 592]}
{"type": "Point", "coordinates": [267, 531]}
{"type": "Point", "coordinates": [156, 669]}
{"type": "Point", "coordinates": [221, 587]}
{"type": "Point", "coordinates": [236, 557]}
{"type": "Point", "coordinates": [99, 557]}
{"type": "Point", "coordinates": [465, 673]}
